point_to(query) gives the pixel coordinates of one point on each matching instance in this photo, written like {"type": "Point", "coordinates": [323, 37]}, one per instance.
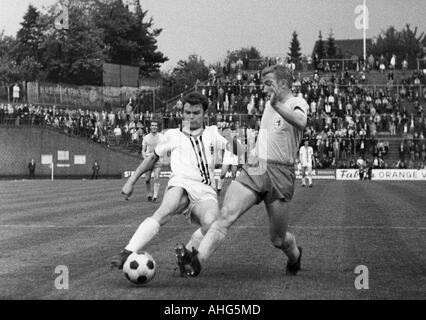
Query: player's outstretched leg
{"type": "Point", "coordinates": [204, 213]}
{"type": "Point", "coordinates": [174, 201]}
{"type": "Point", "coordinates": [278, 212]}
{"type": "Point", "coordinates": [232, 209]}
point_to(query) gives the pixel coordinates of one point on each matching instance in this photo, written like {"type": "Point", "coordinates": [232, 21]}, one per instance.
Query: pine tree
{"type": "Point", "coordinates": [331, 46]}
{"type": "Point", "coordinates": [29, 36]}
{"type": "Point", "coordinates": [295, 52]}
{"type": "Point", "coordinates": [320, 49]}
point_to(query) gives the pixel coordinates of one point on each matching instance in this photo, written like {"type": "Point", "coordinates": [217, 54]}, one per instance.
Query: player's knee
{"type": "Point", "coordinates": [227, 217]}
{"type": "Point", "coordinates": [163, 214]}
{"type": "Point", "coordinates": [277, 241]}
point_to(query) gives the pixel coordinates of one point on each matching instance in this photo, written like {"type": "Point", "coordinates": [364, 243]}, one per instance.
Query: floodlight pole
{"type": "Point", "coordinates": [365, 33]}
{"type": "Point", "coordinates": [52, 165]}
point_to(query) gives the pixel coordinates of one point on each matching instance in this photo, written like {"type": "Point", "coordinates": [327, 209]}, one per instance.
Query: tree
{"type": "Point", "coordinates": [187, 72]}
{"type": "Point", "coordinates": [9, 71]}
{"type": "Point", "coordinates": [75, 55]}
{"type": "Point", "coordinates": [412, 44]}
{"type": "Point", "coordinates": [331, 46]}
{"type": "Point", "coordinates": [129, 36]}
{"type": "Point", "coordinates": [30, 35]}
{"type": "Point", "coordinates": [295, 51]}
{"type": "Point", "coordinates": [245, 54]}
{"type": "Point", "coordinates": [320, 49]}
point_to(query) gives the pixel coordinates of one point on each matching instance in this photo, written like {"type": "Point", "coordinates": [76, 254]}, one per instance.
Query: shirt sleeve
{"type": "Point", "coordinates": [144, 141]}
{"type": "Point", "coordinates": [165, 144]}
{"type": "Point", "coordinates": [221, 142]}
{"type": "Point", "coordinates": [300, 105]}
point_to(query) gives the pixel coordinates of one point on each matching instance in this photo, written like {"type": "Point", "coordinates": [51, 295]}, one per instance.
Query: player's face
{"type": "Point", "coordinates": [269, 82]}
{"type": "Point", "coordinates": [154, 127]}
{"type": "Point", "coordinates": [193, 115]}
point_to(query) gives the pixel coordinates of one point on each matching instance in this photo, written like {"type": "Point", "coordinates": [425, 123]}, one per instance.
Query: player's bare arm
{"type": "Point", "coordinates": [295, 116]}
{"type": "Point", "coordinates": [147, 164]}
{"type": "Point", "coordinates": [144, 148]}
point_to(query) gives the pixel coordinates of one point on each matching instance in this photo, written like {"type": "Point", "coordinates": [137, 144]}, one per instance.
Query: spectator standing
{"type": "Point", "coordinates": [117, 134]}
{"type": "Point", "coordinates": [95, 170]}
{"type": "Point", "coordinates": [31, 168]}
{"type": "Point", "coordinates": [392, 62]}
{"type": "Point", "coordinates": [16, 91]}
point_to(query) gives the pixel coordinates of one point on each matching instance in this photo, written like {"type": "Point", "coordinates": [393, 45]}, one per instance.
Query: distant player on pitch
{"type": "Point", "coordinates": [149, 142]}
{"type": "Point", "coordinates": [190, 190]}
{"type": "Point", "coordinates": [230, 160]}
{"type": "Point", "coordinates": [269, 175]}
{"type": "Point", "coordinates": [306, 157]}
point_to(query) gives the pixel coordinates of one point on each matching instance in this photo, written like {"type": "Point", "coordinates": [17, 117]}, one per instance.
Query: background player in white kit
{"type": "Point", "coordinates": [230, 160]}
{"type": "Point", "coordinates": [189, 190]}
{"type": "Point", "coordinates": [149, 142]}
{"type": "Point", "coordinates": [269, 175]}
{"type": "Point", "coordinates": [306, 157]}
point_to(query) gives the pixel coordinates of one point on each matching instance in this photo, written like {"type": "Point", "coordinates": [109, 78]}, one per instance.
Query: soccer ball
{"type": "Point", "coordinates": [139, 268]}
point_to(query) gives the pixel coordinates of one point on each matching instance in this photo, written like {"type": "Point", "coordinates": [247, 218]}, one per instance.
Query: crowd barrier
{"type": "Point", "coordinates": [339, 174]}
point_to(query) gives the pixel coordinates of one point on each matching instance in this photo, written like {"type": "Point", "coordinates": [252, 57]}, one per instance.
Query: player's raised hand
{"type": "Point", "coordinates": [127, 190]}
{"type": "Point", "coordinates": [277, 93]}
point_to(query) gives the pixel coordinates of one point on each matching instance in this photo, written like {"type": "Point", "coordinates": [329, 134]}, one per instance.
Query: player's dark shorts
{"type": "Point", "coordinates": [270, 181]}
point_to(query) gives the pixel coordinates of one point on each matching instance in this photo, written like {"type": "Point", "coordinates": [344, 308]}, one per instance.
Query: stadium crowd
{"type": "Point", "coordinates": [345, 116]}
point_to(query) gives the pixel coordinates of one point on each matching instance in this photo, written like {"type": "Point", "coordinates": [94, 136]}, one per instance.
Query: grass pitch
{"type": "Point", "coordinates": [81, 224]}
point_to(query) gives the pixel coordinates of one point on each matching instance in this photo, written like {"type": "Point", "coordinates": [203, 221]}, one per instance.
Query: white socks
{"type": "Point", "coordinates": [145, 232]}
{"type": "Point", "coordinates": [156, 189]}
{"type": "Point", "coordinates": [211, 241]}
{"type": "Point", "coordinates": [195, 240]}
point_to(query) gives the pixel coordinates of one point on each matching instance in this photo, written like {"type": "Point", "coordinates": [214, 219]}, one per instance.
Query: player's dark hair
{"type": "Point", "coordinates": [195, 98]}
{"type": "Point", "coordinates": [281, 72]}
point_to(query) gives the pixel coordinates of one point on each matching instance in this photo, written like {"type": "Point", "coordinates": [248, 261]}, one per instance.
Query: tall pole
{"type": "Point", "coordinates": [365, 33]}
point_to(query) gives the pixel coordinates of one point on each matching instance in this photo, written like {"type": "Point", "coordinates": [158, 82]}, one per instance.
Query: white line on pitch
{"type": "Point", "coordinates": [106, 226]}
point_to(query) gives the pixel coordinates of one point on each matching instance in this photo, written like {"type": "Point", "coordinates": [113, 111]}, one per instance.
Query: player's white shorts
{"type": "Point", "coordinates": [230, 159]}
{"type": "Point", "coordinates": [197, 192]}
{"type": "Point", "coordinates": [306, 170]}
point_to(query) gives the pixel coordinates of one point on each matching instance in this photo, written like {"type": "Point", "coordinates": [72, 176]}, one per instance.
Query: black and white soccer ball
{"type": "Point", "coordinates": [139, 268]}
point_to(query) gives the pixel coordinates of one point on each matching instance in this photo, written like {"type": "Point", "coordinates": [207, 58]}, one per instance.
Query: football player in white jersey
{"type": "Point", "coordinates": [269, 175]}
{"type": "Point", "coordinates": [190, 190]}
{"type": "Point", "coordinates": [306, 157]}
{"type": "Point", "coordinates": [230, 161]}
{"type": "Point", "coordinates": [149, 142]}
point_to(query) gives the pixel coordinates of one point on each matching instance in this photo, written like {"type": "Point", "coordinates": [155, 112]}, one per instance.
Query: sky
{"type": "Point", "coordinates": [209, 28]}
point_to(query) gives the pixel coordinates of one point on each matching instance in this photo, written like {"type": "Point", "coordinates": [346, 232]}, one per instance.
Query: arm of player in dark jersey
{"type": "Point", "coordinates": [147, 164]}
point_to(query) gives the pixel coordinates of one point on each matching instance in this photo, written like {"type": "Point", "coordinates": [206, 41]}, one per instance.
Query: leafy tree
{"type": "Point", "coordinates": [413, 44]}
{"type": "Point", "coordinates": [75, 55]}
{"type": "Point", "coordinates": [245, 54]}
{"type": "Point", "coordinates": [9, 71]}
{"type": "Point", "coordinates": [295, 51]}
{"type": "Point", "coordinates": [129, 36]}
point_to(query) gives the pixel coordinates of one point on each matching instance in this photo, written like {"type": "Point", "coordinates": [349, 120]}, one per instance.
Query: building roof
{"type": "Point", "coordinates": [347, 48]}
